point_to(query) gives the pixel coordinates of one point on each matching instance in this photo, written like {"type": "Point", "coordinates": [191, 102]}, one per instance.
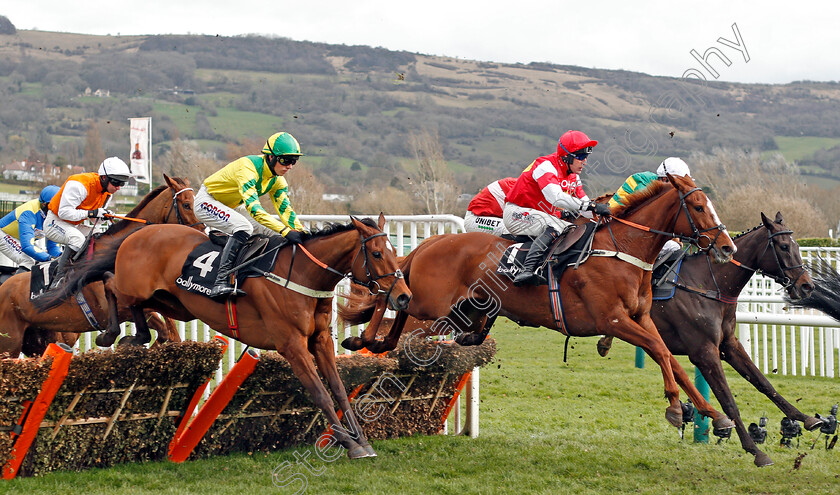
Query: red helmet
{"type": "Point", "coordinates": [574, 141]}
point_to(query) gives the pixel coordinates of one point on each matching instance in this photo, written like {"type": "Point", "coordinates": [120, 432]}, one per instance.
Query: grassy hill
{"type": "Point", "coordinates": [356, 104]}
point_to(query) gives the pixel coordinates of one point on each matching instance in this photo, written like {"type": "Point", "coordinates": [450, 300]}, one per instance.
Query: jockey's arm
{"type": "Point", "coordinates": [72, 196]}
{"type": "Point", "coordinates": [26, 235]}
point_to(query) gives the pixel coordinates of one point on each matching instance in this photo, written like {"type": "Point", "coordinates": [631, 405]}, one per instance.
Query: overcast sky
{"type": "Point", "coordinates": [784, 41]}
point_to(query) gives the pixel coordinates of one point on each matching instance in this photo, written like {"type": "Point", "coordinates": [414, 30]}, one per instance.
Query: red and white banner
{"type": "Point", "coordinates": [141, 146]}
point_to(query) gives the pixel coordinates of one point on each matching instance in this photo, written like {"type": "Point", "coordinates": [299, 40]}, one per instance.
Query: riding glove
{"type": "Point", "coordinates": [601, 209]}
{"type": "Point", "coordinates": [99, 213]}
{"type": "Point", "coordinates": [294, 237]}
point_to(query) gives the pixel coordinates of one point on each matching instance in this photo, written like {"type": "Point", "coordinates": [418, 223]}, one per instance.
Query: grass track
{"type": "Point", "coordinates": [589, 426]}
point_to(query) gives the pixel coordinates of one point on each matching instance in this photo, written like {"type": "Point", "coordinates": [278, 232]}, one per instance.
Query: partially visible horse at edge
{"type": "Point", "coordinates": [28, 329]}
{"type": "Point", "coordinates": [452, 277]}
{"type": "Point", "coordinates": [699, 320]}
{"type": "Point", "coordinates": [290, 315]}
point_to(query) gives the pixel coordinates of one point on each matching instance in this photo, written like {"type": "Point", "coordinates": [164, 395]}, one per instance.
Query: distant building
{"type": "Point", "coordinates": [38, 171]}
{"type": "Point", "coordinates": [336, 197]}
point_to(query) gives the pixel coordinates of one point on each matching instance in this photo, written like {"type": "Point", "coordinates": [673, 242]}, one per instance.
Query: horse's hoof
{"type": "Point", "coordinates": [352, 343]}
{"type": "Point", "coordinates": [466, 339]}
{"type": "Point", "coordinates": [357, 452]}
{"type": "Point", "coordinates": [723, 423]}
{"type": "Point", "coordinates": [812, 423]}
{"type": "Point", "coordinates": [762, 459]}
{"type": "Point", "coordinates": [674, 416]}
{"type": "Point", "coordinates": [106, 339]}
{"type": "Point", "coordinates": [133, 340]}
{"type": "Point", "coordinates": [604, 346]}
{"type": "Point", "coordinates": [369, 450]}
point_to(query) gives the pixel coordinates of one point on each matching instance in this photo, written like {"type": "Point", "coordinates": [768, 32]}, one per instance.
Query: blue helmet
{"type": "Point", "coordinates": [47, 193]}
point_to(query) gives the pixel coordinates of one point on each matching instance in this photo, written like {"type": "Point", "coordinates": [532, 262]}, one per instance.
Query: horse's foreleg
{"type": "Point", "coordinates": [368, 338]}
{"type": "Point", "coordinates": [325, 359]}
{"type": "Point", "coordinates": [299, 358]}
{"type": "Point", "coordinates": [708, 362]}
{"type": "Point", "coordinates": [734, 354]}
{"type": "Point", "coordinates": [644, 334]}
{"type": "Point", "coordinates": [141, 329]}
{"type": "Point", "coordinates": [108, 337]}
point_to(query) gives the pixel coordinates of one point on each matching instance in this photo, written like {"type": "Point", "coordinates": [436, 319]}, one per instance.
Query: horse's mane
{"type": "Point", "coordinates": [742, 234]}
{"type": "Point", "coordinates": [638, 198]}
{"type": "Point", "coordinates": [336, 228]}
{"type": "Point", "coordinates": [119, 226]}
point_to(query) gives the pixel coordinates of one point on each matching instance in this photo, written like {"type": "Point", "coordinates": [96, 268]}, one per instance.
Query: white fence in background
{"type": "Point", "coordinates": [785, 340]}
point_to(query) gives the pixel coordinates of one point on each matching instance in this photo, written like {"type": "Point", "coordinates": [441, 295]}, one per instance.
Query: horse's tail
{"type": "Point", "coordinates": [83, 273]}
{"type": "Point", "coordinates": [824, 297]}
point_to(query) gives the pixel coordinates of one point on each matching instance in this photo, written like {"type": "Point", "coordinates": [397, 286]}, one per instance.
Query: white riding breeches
{"type": "Point", "coordinates": [65, 233]}
{"type": "Point", "coordinates": [528, 221]}
{"type": "Point", "coordinates": [219, 216]}
{"type": "Point", "coordinates": [490, 225]}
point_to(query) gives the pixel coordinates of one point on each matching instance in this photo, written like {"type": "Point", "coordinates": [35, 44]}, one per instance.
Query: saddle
{"type": "Point", "coordinates": [198, 273]}
{"type": "Point", "coordinates": [570, 248]}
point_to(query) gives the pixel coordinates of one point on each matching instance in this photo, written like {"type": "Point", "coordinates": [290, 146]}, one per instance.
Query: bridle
{"type": "Point", "coordinates": [372, 284]}
{"type": "Point", "coordinates": [177, 209]}
{"type": "Point", "coordinates": [697, 234]}
{"type": "Point", "coordinates": [782, 280]}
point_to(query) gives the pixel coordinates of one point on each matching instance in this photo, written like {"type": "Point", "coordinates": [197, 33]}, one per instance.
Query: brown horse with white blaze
{"type": "Point", "coordinates": [290, 315]}
{"type": "Point", "coordinates": [453, 279]}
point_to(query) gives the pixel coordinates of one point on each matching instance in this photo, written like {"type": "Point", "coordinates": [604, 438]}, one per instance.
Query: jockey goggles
{"type": "Point", "coordinates": [287, 161]}
{"type": "Point", "coordinates": [116, 182]}
{"type": "Point", "coordinates": [582, 154]}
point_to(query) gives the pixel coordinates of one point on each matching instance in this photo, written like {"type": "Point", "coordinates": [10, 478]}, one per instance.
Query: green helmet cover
{"type": "Point", "coordinates": [282, 144]}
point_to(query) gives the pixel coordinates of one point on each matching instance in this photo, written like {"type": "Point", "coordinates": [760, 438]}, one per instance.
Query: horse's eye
{"type": "Point", "coordinates": [785, 247]}
{"type": "Point", "coordinates": [187, 206]}
{"type": "Point", "coordinates": [698, 209]}
{"type": "Point", "coordinates": [377, 254]}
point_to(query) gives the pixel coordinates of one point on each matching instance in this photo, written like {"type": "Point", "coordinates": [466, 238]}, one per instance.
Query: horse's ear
{"type": "Point", "coordinates": [766, 221]}
{"type": "Point", "coordinates": [168, 181]}
{"type": "Point", "coordinates": [381, 222]}
{"type": "Point", "coordinates": [779, 218]}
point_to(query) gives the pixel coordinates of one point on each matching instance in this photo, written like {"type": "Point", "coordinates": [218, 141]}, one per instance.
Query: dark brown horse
{"type": "Point", "coordinates": [295, 321]}
{"type": "Point", "coordinates": [24, 327]}
{"type": "Point", "coordinates": [453, 277]}
{"type": "Point", "coordinates": [700, 323]}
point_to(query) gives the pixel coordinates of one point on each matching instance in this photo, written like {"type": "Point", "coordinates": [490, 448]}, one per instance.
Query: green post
{"type": "Point", "coordinates": [701, 423]}
{"type": "Point", "coordinates": [640, 358]}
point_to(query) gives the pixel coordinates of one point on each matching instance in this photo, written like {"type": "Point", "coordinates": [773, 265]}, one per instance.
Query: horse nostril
{"type": "Point", "coordinates": [402, 301]}
{"type": "Point", "coordinates": [807, 289]}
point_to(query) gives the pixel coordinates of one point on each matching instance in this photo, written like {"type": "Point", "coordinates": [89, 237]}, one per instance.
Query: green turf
{"type": "Point", "coordinates": [590, 426]}
{"type": "Point", "coordinates": [799, 147]}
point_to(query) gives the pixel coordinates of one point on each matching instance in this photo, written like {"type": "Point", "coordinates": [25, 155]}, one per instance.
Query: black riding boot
{"type": "Point", "coordinates": [535, 255]}
{"type": "Point", "coordinates": [62, 265]}
{"type": "Point", "coordinates": [223, 287]}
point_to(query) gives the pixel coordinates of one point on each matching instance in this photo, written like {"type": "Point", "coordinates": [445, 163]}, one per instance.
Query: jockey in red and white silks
{"type": "Point", "coordinates": [545, 189]}
{"type": "Point", "coordinates": [484, 213]}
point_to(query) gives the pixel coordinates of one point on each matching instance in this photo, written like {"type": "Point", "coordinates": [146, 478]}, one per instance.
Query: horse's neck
{"type": "Point", "coordinates": [337, 251]}
{"type": "Point", "coordinates": [750, 250]}
{"type": "Point", "coordinates": [647, 245]}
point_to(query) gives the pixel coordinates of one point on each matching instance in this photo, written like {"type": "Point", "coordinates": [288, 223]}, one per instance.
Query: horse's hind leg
{"type": "Point", "coordinates": [734, 354]}
{"type": "Point", "coordinates": [322, 349]}
{"type": "Point", "coordinates": [164, 326]}
{"type": "Point", "coordinates": [296, 353]}
{"type": "Point", "coordinates": [604, 345]}
{"type": "Point", "coordinates": [108, 337]}
{"type": "Point", "coordinates": [141, 329]}
{"type": "Point", "coordinates": [707, 360]}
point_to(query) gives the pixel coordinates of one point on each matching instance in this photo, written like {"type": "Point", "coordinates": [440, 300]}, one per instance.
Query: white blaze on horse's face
{"type": "Point", "coordinates": [390, 246]}
{"type": "Point", "coordinates": [717, 220]}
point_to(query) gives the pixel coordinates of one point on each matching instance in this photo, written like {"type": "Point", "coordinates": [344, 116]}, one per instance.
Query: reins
{"type": "Point", "coordinates": [369, 284]}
